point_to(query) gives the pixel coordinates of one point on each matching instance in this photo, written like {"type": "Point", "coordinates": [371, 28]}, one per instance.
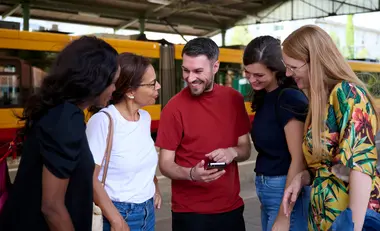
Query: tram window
{"type": "Point", "coordinates": [232, 75]}
{"type": "Point", "coordinates": [24, 77]}
{"type": "Point", "coordinates": [9, 85]}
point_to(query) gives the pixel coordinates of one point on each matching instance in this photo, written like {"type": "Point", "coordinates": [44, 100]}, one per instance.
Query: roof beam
{"type": "Point", "coordinates": [257, 10]}
{"type": "Point", "coordinates": [94, 23]}
{"type": "Point", "coordinates": [11, 11]}
{"type": "Point", "coordinates": [316, 7]}
{"type": "Point", "coordinates": [133, 21]}
{"type": "Point", "coordinates": [350, 4]}
{"type": "Point", "coordinates": [174, 29]}
{"type": "Point", "coordinates": [271, 11]}
{"type": "Point", "coordinates": [212, 33]}
{"type": "Point", "coordinates": [118, 13]}
{"type": "Point", "coordinates": [194, 23]}
{"type": "Point", "coordinates": [125, 25]}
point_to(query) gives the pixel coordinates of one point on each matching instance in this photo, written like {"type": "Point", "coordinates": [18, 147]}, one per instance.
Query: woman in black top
{"type": "Point", "coordinates": [53, 186]}
{"type": "Point", "coordinates": [277, 130]}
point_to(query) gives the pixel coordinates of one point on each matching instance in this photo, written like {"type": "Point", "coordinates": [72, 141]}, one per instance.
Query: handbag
{"type": "Point", "coordinates": [97, 216]}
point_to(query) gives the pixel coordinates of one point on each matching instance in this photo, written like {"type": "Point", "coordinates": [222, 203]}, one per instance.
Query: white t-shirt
{"type": "Point", "coordinates": [133, 160]}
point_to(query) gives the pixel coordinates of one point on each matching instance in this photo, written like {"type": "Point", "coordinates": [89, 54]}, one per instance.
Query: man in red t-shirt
{"type": "Point", "coordinates": [205, 122]}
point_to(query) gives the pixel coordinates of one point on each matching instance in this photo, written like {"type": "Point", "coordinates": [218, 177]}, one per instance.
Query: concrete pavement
{"type": "Point", "coordinates": [163, 215]}
{"type": "Point", "coordinates": [251, 211]}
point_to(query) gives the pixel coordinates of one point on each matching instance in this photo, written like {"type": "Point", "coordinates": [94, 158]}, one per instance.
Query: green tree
{"type": "Point", "coordinates": [362, 54]}
{"type": "Point", "coordinates": [240, 36]}
{"type": "Point", "coordinates": [335, 38]}
{"type": "Point", "coordinates": [350, 42]}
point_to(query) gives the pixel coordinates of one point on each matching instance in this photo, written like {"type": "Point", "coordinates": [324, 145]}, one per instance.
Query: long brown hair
{"type": "Point", "coordinates": [327, 67]}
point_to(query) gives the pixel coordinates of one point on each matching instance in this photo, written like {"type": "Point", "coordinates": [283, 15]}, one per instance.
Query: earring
{"type": "Point", "coordinates": [131, 96]}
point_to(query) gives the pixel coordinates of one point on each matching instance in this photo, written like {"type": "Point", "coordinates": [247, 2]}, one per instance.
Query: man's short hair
{"type": "Point", "coordinates": [201, 46]}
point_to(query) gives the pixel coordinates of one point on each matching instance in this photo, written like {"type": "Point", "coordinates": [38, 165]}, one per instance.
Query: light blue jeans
{"type": "Point", "coordinates": [270, 190]}
{"type": "Point", "coordinates": [344, 221]}
{"type": "Point", "coordinates": [139, 217]}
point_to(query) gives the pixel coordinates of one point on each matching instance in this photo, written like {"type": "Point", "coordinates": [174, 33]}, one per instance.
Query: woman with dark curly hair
{"type": "Point", "coordinates": [53, 186]}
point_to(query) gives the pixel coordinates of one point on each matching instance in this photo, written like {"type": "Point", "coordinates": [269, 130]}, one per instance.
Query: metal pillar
{"type": "Point", "coordinates": [26, 14]}
{"type": "Point", "coordinates": [142, 25]}
{"type": "Point", "coordinates": [223, 32]}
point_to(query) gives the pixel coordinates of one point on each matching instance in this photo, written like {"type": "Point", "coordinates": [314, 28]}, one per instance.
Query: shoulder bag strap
{"type": "Point", "coordinates": [107, 153]}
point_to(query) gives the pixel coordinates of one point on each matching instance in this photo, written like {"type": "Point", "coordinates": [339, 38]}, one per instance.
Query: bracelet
{"type": "Point", "coordinates": [191, 176]}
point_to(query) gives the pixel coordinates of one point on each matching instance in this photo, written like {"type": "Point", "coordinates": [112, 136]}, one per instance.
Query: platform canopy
{"type": "Point", "coordinates": [186, 17]}
{"type": "Point", "coordinates": [307, 9]}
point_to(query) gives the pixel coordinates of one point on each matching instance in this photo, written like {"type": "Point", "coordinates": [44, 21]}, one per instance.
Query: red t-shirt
{"type": "Point", "coordinates": [194, 126]}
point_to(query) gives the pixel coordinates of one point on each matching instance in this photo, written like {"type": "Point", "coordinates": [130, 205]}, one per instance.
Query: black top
{"type": "Point", "coordinates": [268, 133]}
{"type": "Point", "coordinates": [59, 142]}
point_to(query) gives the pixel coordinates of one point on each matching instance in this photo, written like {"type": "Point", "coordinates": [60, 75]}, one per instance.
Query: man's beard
{"type": "Point", "coordinates": [207, 88]}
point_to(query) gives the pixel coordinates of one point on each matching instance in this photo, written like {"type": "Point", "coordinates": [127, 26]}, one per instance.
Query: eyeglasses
{"type": "Point", "coordinates": [151, 85]}
{"type": "Point", "coordinates": [292, 70]}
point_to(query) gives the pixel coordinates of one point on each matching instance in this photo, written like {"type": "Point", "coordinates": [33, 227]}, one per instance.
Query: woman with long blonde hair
{"type": "Point", "coordinates": [339, 141]}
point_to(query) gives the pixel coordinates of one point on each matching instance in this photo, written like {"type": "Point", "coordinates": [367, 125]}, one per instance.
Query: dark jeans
{"type": "Point", "coordinates": [228, 221]}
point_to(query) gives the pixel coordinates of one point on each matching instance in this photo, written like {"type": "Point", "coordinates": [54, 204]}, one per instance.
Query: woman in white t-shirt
{"type": "Point", "coordinates": [130, 193]}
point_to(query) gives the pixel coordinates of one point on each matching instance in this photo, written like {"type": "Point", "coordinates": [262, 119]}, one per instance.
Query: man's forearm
{"type": "Point", "coordinates": [243, 153]}
{"type": "Point", "coordinates": [174, 171]}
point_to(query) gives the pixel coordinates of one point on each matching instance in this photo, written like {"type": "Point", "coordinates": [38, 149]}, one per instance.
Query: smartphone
{"type": "Point", "coordinates": [219, 166]}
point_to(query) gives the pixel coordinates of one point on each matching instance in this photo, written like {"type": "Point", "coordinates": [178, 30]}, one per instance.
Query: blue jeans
{"type": "Point", "coordinates": [344, 221]}
{"type": "Point", "coordinates": [270, 190]}
{"type": "Point", "coordinates": [139, 217]}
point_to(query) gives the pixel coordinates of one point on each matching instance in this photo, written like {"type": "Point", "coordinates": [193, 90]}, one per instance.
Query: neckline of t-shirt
{"type": "Point", "coordinates": [118, 114]}
{"type": "Point", "coordinates": [275, 90]}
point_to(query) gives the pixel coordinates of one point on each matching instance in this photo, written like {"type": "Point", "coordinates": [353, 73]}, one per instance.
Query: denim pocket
{"type": "Point", "coordinates": [276, 183]}
{"type": "Point", "coordinates": [124, 209]}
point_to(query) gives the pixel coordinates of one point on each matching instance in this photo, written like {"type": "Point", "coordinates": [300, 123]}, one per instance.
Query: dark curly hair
{"type": "Point", "coordinates": [80, 73]}
{"type": "Point", "coordinates": [267, 51]}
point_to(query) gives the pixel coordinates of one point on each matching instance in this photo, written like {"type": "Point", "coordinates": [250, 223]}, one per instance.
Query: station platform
{"type": "Point", "coordinates": [163, 215]}
{"type": "Point", "coordinates": [251, 210]}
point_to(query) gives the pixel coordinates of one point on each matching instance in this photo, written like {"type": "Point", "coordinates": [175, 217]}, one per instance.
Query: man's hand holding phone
{"type": "Point", "coordinates": [200, 173]}
{"type": "Point", "coordinates": [226, 155]}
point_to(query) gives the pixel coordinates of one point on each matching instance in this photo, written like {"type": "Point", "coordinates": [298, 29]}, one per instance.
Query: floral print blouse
{"type": "Point", "coordinates": [350, 139]}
